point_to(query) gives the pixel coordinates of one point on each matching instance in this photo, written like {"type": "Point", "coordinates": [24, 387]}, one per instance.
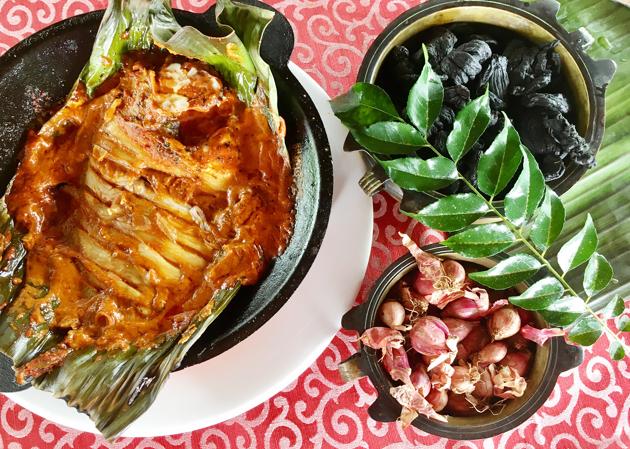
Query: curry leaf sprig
{"type": "Point", "coordinates": [533, 215]}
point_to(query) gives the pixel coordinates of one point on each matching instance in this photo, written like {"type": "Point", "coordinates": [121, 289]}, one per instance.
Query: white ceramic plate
{"type": "Point", "coordinates": [253, 371]}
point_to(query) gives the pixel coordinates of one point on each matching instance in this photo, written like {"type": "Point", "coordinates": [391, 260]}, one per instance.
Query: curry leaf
{"type": "Point", "coordinates": [481, 241]}
{"type": "Point", "coordinates": [623, 324]}
{"type": "Point", "coordinates": [540, 295]}
{"type": "Point", "coordinates": [425, 98]}
{"type": "Point", "coordinates": [564, 312]}
{"type": "Point", "coordinates": [585, 331]}
{"type": "Point", "coordinates": [616, 350]}
{"type": "Point", "coordinates": [580, 248]}
{"type": "Point", "coordinates": [391, 138]}
{"type": "Point", "coordinates": [469, 125]}
{"type": "Point", "coordinates": [523, 199]}
{"type": "Point", "coordinates": [452, 213]}
{"type": "Point", "coordinates": [413, 173]}
{"type": "Point", "coordinates": [508, 272]}
{"type": "Point", "coordinates": [363, 105]}
{"type": "Point", "coordinates": [548, 221]}
{"type": "Point", "coordinates": [597, 275]}
{"type": "Point", "coordinates": [614, 308]}
{"type": "Point", "coordinates": [500, 161]}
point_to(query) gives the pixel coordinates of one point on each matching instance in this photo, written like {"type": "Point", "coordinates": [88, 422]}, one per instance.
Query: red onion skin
{"type": "Point", "coordinates": [428, 359]}
{"type": "Point", "coordinates": [438, 399]}
{"type": "Point", "coordinates": [519, 361]}
{"type": "Point", "coordinates": [504, 323]}
{"type": "Point", "coordinates": [420, 380]}
{"type": "Point", "coordinates": [461, 382]}
{"type": "Point", "coordinates": [441, 376]}
{"type": "Point", "coordinates": [410, 299]}
{"type": "Point", "coordinates": [481, 298]}
{"type": "Point", "coordinates": [508, 383]}
{"type": "Point", "coordinates": [392, 313]}
{"type": "Point", "coordinates": [382, 338]}
{"type": "Point", "coordinates": [459, 406]}
{"type": "Point", "coordinates": [492, 353]}
{"type": "Point", "coordinates": [459, 328]}
{"type": "Point", "coordinates": [428, 336]}
{"type": "Point", "coordinates": [396, 364]}
{"type": "Point", "coordinates": [540, 336]}
{"type": "Point", "coordinates": [424, 282]}
{"type": "Point", "coordinates": [484, 389]}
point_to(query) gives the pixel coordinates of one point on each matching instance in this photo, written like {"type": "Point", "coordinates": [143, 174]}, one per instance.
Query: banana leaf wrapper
{"type": "Point", "coordinates": [115, 387]}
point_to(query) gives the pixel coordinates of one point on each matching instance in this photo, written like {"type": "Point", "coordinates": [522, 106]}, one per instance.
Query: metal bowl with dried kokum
{"type": "Point", "coordinates": [536, 72]}
{"type": "Point", "coordinates": [447, 356]}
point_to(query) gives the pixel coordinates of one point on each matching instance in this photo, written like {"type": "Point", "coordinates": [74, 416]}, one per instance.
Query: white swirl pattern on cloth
{"type": "Point", "coordinates": [589, 408]}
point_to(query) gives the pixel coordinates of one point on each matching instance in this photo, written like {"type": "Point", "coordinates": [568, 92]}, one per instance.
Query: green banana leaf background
{"type": "Point", "coordinates": [604, 192]}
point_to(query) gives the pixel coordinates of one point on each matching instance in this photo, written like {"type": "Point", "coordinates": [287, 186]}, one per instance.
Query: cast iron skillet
{"type": "Point", "coordinates": [38, 73]}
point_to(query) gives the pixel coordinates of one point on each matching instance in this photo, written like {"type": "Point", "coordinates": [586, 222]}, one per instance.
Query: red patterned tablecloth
{"type": "Point", "coordinates": [589, 407]}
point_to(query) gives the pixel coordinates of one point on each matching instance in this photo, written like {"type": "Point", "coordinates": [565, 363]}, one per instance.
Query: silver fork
{"type": "Point", "coordinates": [374, 179]}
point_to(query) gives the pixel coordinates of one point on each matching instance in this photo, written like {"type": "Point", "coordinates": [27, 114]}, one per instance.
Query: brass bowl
{"type": "Point", "coordinates": [555, 357]}
{"type": "Point", "coordinates": [537, 22]}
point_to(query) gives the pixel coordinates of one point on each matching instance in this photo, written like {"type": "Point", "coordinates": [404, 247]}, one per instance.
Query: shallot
{"type": "Point", "coordinates": [459, 405]}
{"type": "Point", "coordinates": [396, 363]}
{"type": "Point", "coordinates": [410, 399]}
{"type": "Point", "coordinates": [441, 376]}
{"type": "Point", "coordinates": [412, 301]}
{"type": "Point", "coordinates": [429, 266]}
{"type": "Point", "coordinates": [492, 353]}
{"type": "Point", "coordinates": [475, 340]}
{"type": "Point", "coordinates": [423, 285]}
{"type": "Point", "coordinates": [392, 314]}
{"type": "Point", "coordinates": [484, 388]}
{"type": "Point", "coordinates": [464, 379]}
{"type": "Point", "coordinates": [382, 338]}
{"type": "Point", "coordinates": [437, 399]}
{"type": "Point", "coordinates": [428, 336]}
{"type": "Point", "coordinates": [455, 271]}
{"type": "Point", "coordinates": [518, 342]}
{"type": "Point", "coordinates": [519, 361]}
{"type": "Point", "coordinates": [504, 323]}
{"type": "Point", "coordinates": [508, 383]}
{"type": "Point", "coordinates": [439, 282]}
{"type": "Point", "coordinates": [472, 306]}
{"type": "Point", "coordinates": [420, 380]}
{"type": "Point", "coordinates": [459, 328]}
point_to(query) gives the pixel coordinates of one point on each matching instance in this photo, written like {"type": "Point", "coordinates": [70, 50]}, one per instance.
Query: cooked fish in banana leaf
{"type": "Point", "coordinates": [138, 210]}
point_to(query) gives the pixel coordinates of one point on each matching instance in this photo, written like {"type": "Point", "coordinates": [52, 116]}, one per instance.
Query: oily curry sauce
{"type": "Point", "coordinates": [136, 206]}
